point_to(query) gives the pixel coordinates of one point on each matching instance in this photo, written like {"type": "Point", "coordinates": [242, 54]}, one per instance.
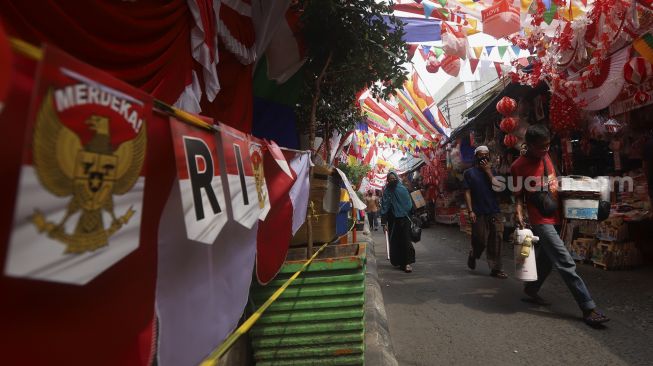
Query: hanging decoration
{"type": "Point", "coordinates": [508, 124]}
{"type": "Point", "coordinates": [506, 106]}
{"type": "Point", "coordinates": [637, 70]}
{"type": "Point", "coordinates": [432, 64]}
{"type": "Point", "coordinates": [454, 42]}
{"type": "Point", "coordinates": [451, 65]}
{"type": "Point", "coordinates": [564, 114]}
{"type": "Point", "coordinates": [501, 19]}
{"type": "Point", "coordinates": [510, 140]}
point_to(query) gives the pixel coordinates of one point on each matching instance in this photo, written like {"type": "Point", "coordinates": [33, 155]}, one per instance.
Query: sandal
{"type": "Point", "coordinates": [471, 261]}
{"type": "Point", "coordinates": [594, 318]}
{"type": "Point", "coordinates": [499, 274]}
{"type": "Point", "coordinates": [408, 268]}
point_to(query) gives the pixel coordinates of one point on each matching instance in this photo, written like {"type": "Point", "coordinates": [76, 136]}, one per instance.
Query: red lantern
{"type": "Point", "coordinates": [506, 106]}
{"type": "Point", "coordinates": [432, 64]}
{"type": "Point", "coordinates": [508, 124]}
{"type": "Point", "coordinates": [510, 140]}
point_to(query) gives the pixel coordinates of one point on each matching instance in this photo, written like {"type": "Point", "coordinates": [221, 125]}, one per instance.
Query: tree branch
{"type": "Point", "coordinates": [316, 98]}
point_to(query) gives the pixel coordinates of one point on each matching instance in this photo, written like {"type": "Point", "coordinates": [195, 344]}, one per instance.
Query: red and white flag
{"type": "Point", "coordinates": [240, 176]}
{"type": "Point", "coordinates": [200, 181]}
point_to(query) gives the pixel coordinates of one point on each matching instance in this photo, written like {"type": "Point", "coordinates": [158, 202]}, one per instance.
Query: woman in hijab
{"type": "Point", "coordinates": [396, 205]}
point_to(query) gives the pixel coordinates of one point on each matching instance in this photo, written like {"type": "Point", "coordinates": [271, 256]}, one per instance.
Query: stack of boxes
{"type": "Point", "coordinates": [613, 250]}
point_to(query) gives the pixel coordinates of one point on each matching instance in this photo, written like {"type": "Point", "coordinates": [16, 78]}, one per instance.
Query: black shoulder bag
{"type": "Point", "coordinates": [543, 200]}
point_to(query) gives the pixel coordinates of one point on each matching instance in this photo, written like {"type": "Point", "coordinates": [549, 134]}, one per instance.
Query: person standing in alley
{"type": "Point", "coordinates": [396, 205]}
{"type": "Point", "coordinates": [484, 213]}
{"type": "Point", "coordinates": [372, 202]}
{"type": "Point", "coordinates": [541, 200]}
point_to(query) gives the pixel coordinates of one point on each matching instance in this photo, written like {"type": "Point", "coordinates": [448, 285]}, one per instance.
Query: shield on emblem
{"type": "Point", "coordinates": [95, 175]}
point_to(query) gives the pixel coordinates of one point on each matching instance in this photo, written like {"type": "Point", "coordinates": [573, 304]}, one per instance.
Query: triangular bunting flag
{"type": "Point", "coordinates": [473, 64]}
{"type": "Point", "coordinates": [424, 50]}
{"type": "Point", "coordinates": [443, 2]}
{"type": "Point", "coordinates": [516, 50]}
{"type": "Point", "coordinates": [478, 51]}
{"type": "Point", "coordinates": [550, 14]}
{"type": "Point", "coordinates": [428, 8]}
{"type": "Point", "coordinates": [438, 51]}
{"type": "Point", "coordinates": [489, 49]}
{"type": "Point", "coordinates": [502, 51]}
{"type": "Point", "coordinates": [497, 66]}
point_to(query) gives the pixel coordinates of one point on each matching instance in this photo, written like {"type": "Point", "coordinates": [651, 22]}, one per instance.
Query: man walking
{"type": "Point", "coordinates": [542, 204]}
{"type": "Point", "coordinates": [372, 202]}
{"type": "Point", "coordinates": [484, 213]}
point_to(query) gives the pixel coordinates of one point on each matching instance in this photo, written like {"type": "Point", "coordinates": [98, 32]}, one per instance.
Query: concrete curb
{"type": "Point", "coordinates": [378, 345]}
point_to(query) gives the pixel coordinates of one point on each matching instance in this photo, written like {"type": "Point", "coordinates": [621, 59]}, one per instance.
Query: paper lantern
{"type": "Point", "coordinates": [510, 140]}
{"type": "Point", "coordinates": [451, 65]}
{"type": "Point", "coordinates": [432, 64]}
{"type": "Point", "coordinates": [506, 106]}
{"type": "Point", "coordinates": [508, 124]}
{"type": "Point", "coordinates": [637, 70]}
{"type": "Point", "coordinates": [501, 19]}
{"type": "Point", "coordinates": [453, 42]}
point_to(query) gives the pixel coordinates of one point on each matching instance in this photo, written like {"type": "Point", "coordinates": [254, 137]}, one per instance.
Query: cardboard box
{"type": "Point", "coordinates": [418, 199]}
{"type": "Point", "coordinates": [581, 209]}
{"type": "Point", "coordinates": [581, 249]}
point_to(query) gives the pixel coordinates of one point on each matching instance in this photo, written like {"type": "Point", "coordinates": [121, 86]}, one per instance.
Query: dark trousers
{"type": "Point", "coordinates": [486, 233]}
{"type": "Point", "coordinates": [371, 217]}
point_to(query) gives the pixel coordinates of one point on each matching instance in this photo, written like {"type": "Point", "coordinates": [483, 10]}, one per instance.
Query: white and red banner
{"type": "Point", "coordinates": [79, 251]}
{"type": "Point", "coordinates": [82, 179]}
{"type": "Point", "coordinates": [240, 176]}
{"type": "Point", "coordinates": [200, 181]}
{"type": "Point", "coordinates": [256, 153]}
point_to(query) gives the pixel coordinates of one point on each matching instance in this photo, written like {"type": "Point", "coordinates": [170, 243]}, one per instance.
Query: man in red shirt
{"type": "Point", "coordinates": [532, 182]}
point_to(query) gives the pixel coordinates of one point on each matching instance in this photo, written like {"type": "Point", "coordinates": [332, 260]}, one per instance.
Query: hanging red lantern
{"type": "Point", "coordinates": [506, 106]}
{"type": "Point", "coordinates": [432, 64]}
{"type": "Point", "coordinates": [508, 124]}
{"type": "Point", "coordinates": [510, 140]}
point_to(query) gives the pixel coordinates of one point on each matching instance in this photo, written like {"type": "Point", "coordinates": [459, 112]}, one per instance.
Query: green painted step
{"type": "Point", "coordinates": [344, 349]}
{"type": "Point", "coordinates": [325, 265]}
{"type": "Point", "coordinates": [335, 361]}
{"type": "Point", "coordinates": [312, 315]}
{"type": "Point", "coordinates": [317, 303]}
{"type": "Point", "coordinates": [311, 291]}
{"type": "Point", "coordinates": [310, 328]}
{"type": "Point", "coordinates": [308, 339]}
{"type": "Point", "coordinates": [319, 279]}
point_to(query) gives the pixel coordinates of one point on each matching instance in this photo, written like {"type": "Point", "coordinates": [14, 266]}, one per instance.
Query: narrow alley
{"type": "Point", "coordinates": [445, 314]}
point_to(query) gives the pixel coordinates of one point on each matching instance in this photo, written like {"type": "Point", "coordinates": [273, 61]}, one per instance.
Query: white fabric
{"type": "Point", "coordinates": [358, 204]}
{"type": "Point", "coordinates": [195, 279]}
{"type": "Point", "coordinates": [283, 54]}
{"type": "Point", "coordinates": [300, 164]}
{"type": "Point", "coordinates": [189, 100]}
{"type": "Point", "coordinates": [267, 16]}
{"type": "Point", "coordinates": [202, 53]}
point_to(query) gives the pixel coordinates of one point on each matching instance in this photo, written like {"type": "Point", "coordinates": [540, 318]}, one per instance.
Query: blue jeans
{"type": "Point", "coordinates": [550, 252]}
{"type": "Point", "coordinates": [371, 218]}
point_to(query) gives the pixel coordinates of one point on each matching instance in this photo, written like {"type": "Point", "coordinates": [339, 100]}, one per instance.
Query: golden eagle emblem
{"type": "Point", "coordinates": [92, 174]}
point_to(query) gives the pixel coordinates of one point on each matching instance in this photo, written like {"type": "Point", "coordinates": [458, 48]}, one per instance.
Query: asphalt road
{"type": "Point", "coordinates": [445, 314]}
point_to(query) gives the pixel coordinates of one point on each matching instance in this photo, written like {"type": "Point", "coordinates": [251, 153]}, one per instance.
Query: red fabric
{"type": "Point", "coordinates": [525, 167]}
{"type": "Point", "coordinates": [234, 104]}
{"type": "Point", "coordinates": [145, 43]}
{"type": "Point", "coordinates": [208, 24]}
{"type": "Point", "coordinates": [109, 321]}
{"type": "Point", "coordinates": [274, 234]}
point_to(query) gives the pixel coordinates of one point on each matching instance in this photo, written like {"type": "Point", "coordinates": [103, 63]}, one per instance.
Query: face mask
{"type": "Point", "coordinates": [392, 184]}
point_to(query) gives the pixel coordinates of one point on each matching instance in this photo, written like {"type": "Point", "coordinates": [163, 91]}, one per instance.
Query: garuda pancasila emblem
{"type": "Point", "coordinates": [92, 174]}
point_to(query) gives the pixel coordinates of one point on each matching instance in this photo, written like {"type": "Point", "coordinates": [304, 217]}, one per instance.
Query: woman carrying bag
{"type": "Point", "coordinates": [396, 206]}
